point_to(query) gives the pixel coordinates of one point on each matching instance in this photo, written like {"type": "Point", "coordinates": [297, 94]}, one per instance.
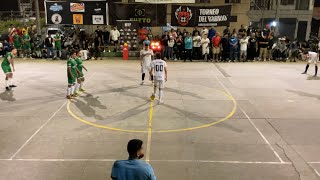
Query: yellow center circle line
{"type": "Point", "coordinates": [161, 131]}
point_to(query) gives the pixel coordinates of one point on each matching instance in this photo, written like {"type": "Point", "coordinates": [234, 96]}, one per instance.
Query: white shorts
{"type": "Point", "coordinates": [313, 61]}
{"type": "Point", "coordinates": [145, 68]}
{"type": "Point", "coordinates": [159, 83]}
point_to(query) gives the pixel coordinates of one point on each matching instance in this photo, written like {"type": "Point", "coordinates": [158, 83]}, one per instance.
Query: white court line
{"type": "Point", "coordinates": [314, 169]}
{"type": "Point", "coordinates": [314, 162]}
{"type": "Point", "coordinates": [35, 133]}
{"type": "Point", "coordinates": [112, 160]}
{"type": "Point", "coordinates": [263, 137]}
{"type": "Point", "coordinates": [41, 127]}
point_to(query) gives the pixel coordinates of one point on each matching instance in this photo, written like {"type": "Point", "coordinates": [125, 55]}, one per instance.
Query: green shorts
{"type": "Point", "coordinates": [27, 46]}
{"type": "Point", "coordinates": [57, 48]}
{"type": "Point", "coordinates": [6, 69]}
{"type": "Point", "coordinates": [17, 45]}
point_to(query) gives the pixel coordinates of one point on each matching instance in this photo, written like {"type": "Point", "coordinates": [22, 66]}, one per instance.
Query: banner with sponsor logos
{"type": "Point", "coordinates": [190, 16]}
{"type": "Point", "coordinates": [147, 14]}
{"type": "Point", "coordinates": [79, 13]}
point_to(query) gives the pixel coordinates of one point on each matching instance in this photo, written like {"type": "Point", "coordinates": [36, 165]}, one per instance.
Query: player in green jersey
{"type": "Point", "coordinates": [17, 43]}
{"type": "Point", "coordinates": [6, 65]}
{"type": "Point", "coordinates": [72, 75]}
{"type": "Point", "coordinates": [80, 68]}
{"type": "Point", "coordinates": [26, 44]}
{"type": "Point", "coordinates": [57, 45]}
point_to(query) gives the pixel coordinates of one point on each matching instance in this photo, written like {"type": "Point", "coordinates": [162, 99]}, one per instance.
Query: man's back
{"type": "Point", "coordinates": [132, 169]}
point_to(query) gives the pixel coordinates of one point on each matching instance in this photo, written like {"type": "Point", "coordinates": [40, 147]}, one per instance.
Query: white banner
{"type": "Point", "coordinates": [165, 1]}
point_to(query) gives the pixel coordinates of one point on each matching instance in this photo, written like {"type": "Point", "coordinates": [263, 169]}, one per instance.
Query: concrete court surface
{"type": "Point", "coordinates": [218, 121]}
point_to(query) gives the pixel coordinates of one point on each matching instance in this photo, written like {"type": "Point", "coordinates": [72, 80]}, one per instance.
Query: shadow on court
{"type": "Point", "coordinates": [301, 93]}
{"type": "Point", "coordinates": [7, 96]}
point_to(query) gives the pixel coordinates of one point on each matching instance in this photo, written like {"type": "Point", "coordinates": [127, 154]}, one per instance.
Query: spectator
{"type": "Point", "coordinates": [146, 41]}
{"type": "Point", "coordinates": [6, 46]}
{"type": "Point", "coordinates": [98, 31]}
{"type": "Point", "coordinates": [196, 46]}
{"type": "Point", "coordinates": [188, 47]}
{"type": "Point", "coordinates": [171, 44]}
{"type": "Point", "coordinates": [226, 31]}
{"type": "Point", "coordinates": [216, 40]}
{"type": "Point", "coordinates": [294, 51]}
{"type": "Point", "coordinates": [48, 42]}
{"type": "Point", "coordinates": [179, 32]}
{"type": "Point", "coordinates": [205, 46]}
{"type": "Point", "coordinates": [233, 47]}
{"type": "Point", "coordinates": [180, 47]}
{"type": "Point", "coordinates": [84, 54]}
{"type": "Point", "coordinates": [195, 30]}
{"type": "Point", "coordinates": [242, 30]}
{"type": "Point", "coordinates": [142, 32]}
{"type": "Point", "coordinates": [225, 48]}
{"type": "Point", "coordinates": [212, 33]}
{"type": "Point", "coordinates": [133, 168]}
{"type": "Point", "coordinates": [173, 34]}
{"type": "Point", "coordinates": [150, 35]}
{"type": "Point", "coordinates": [252, 47]}
{"type": "Point", "coordinates": [264, 42]}
{"type": "Point", "coordinates": [97, 47]}
{"type": "Point", "coordinates": [270, 47]}
{"type": "Point", "coordinates": [114, 35]}
{"type": "Point", "coordinates": [185, 32]}
{"type": "Point", "coordinates": [204, 31]}
{"type": "Point", "coordinates": [244, 47]}
{"type": "Point", "coordinates": [106, 37]}
{"type": "Point", "coordinates": [164, 42]}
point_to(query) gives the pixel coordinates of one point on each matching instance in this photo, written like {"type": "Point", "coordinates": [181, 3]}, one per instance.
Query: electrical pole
{"type": "Point", "coordinates": [38, 17]}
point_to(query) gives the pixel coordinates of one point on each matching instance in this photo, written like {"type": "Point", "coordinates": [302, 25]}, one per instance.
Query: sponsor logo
{"type": "Point", "coordinates": [56, 18]}
{"type": "Point", "coordinates": [77, 7]}
{"type": "Point", "coordinates": [183, 15]}
{"type": "Point", "coordinates": [97, 19]}
{"type": "Point", "coordinates": [55, 7]}
{"type": "Point", "coordinates": [140, 12]}
{"type": "Point", "coordinates": [97, 9]}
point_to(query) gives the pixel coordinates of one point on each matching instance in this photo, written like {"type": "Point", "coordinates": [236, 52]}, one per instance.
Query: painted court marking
{"type": "Point", "coordinates": [263, 137]}
{"type": "Point", "coordinates": [232, 112]}
{"type": "Point", "coordinates": [149, 133]}
{"type": "Point", "coordinates": [185, 161]}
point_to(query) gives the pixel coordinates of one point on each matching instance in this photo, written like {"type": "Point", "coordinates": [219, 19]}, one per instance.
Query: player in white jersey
{"type": "Point", "coordinates": [311, 57]}
{"type": "Point", "coordinates": [159, 68]}
{"type": "Point", "coordinates": [146, 55]}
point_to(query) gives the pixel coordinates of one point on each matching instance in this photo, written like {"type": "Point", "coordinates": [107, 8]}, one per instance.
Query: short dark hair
{"type": "Point", "coordinates": [134, 146]}
{"type": "Point", "coordinates": [158, 55]}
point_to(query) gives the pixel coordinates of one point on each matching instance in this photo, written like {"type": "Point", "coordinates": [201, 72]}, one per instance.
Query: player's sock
{"type": "Point", "coordinates": [160, 94]}
{"type": "Point", "coordinates": [81, 84]}
{"type": "Point", "coordinates": [307, 67]}
{"type": "Point", "coordinates": [76, 87]}
{"type": "Point", "coordinates": [316, 70]}
{"type": "Point", "coordinates": [143, 75]}
{"type": "Point", "coordinates": [72, 90]}
{"type": "Point", "coordinates": [69, 91]}
{"type": "Point", "coordinates": [7, 83]}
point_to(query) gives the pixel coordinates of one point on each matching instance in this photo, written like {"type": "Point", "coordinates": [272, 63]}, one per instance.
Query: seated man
{"type": "Point", "coordinates": [133, 168]}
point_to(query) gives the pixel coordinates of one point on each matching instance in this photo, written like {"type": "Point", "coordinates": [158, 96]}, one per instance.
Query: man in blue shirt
{"type": "Point", "coordinates": [188, 47]}
{"type": "Point", "coordinates": [133, 168]}
{"type": "Point", "coordinates": [233, 47]}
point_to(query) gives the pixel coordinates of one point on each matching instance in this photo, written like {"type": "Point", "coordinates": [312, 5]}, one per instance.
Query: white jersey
{"type": "Point", "coordinates": [146, 58]}
{"type": "Point", "coordinates": [158, 65]}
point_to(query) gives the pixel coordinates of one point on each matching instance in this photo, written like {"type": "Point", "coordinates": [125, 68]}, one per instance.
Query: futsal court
{"type": "Point", "coordinates": [225, 121]}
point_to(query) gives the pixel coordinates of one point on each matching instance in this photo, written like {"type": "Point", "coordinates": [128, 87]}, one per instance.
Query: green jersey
{"type": "Point", "coordinates": [73, 65]}
{"type": "Point", "coordinates": [26, 38]}
{"type": "Point", "coordinates": [57, 41]}
{"type": "Point", "coordinates": [16, 39]}
{"type": "Point", "coordinates": [79, 64]}
{"type": "Point", "coordinates": [6, 62]}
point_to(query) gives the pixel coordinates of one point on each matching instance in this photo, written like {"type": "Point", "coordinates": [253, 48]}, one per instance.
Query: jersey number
{"type": "Point", "coordinates": [159, 68]}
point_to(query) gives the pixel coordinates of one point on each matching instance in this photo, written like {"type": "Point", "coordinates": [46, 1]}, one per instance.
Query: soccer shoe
{"type": "Point", "coordinates": [141, 83]}
{"type": "Point", "coordinates": [69, 97]}
{"type": "Point", "coordinates": [152, 97]}
{"type": "Point", "coordinates": [160, 101]}
{"type": "Point", "coordinates": [75, 95]}
{"type": "Point", "coordinates": [304, 73]}
{"type": "Point", "coordinates": [12, 86]}
{"type": "Point", "coordinates": [82, 90]}
{"type": "Point", "coordinates": [7, 88]}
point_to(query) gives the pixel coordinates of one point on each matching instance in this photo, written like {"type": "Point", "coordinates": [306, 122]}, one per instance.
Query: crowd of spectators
{"type": "Point", "coordinates": [245, 44]}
